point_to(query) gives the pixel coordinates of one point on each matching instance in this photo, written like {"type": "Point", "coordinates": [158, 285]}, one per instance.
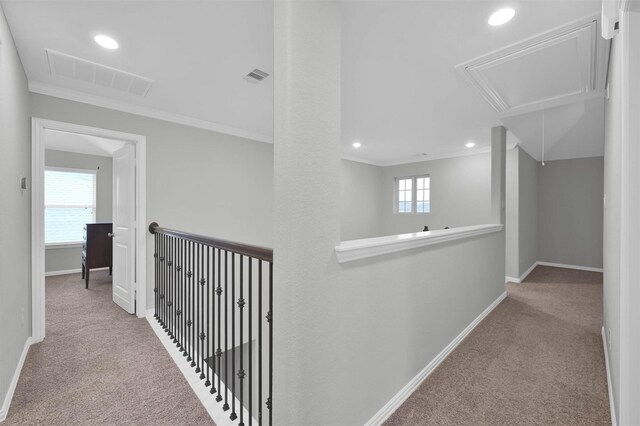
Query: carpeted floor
{"type": "Point", "coordinates": [99, 365]}
{"type": "Point", "coordinates": [537, 359]}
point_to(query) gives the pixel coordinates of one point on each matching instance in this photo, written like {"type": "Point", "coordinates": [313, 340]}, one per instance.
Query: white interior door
{"type": "Point", "coordinates": [124, 228]}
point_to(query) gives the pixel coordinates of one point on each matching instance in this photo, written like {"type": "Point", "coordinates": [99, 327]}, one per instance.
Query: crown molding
{"type": "Point", "coordinates": [361, 160]}
{"type": "Point", "coordinates": [99, 101]}
{"type": "Point", "coordinates": [456, 154]}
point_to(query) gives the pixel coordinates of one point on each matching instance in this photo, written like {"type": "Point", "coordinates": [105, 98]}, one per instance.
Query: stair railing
{"type": "Point", "coordinates": [214, 298]}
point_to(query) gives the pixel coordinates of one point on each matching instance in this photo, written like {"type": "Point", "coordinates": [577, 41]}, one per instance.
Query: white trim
{"type": "Point", "coordinates": [523, 276]}
{"type": "Point", "coordinates": [456, 154]}
{"type": "Point", "coordinates": [348, 251]}
{"type": "Point", "coordinates": [70, 169]}
{"type": "Point", "coordinates": [562, 265]}
{"type": "Point", "coordinates": [528, 271]}
{"type": "Point", "coordinates": [404, 393]}
{"type": "Point", "coordinates": [612, 406]}
{"type": "Point", "coordinates": [38, 126]}
{"type": "Point", "coordinates": [73, 244]}
{"type": "Point", "coordinates": [4, 410]}
{"type": "Point", "coordinates": [214, 408]}
{"type": "Point", "coordinates": [85, 98]}
{"type": "Point", "coordinates": [70, 271]}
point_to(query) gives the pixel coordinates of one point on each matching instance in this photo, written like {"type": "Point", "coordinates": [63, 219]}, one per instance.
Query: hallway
{"type": "Point", "coordinates": [536, 359]}
{"type": "Point", "coordinates": [99, 365]}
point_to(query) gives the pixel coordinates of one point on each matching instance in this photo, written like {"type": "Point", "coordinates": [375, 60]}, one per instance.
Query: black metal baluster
{"type": "Point", "coordinates": [174, 291]}
{"type": "Point", "coordinates": [194, 292]}
{"type": "Point", "coordinates": [170, 289]}
{"type": "Point", "coordinates": [200, 302]}
{"type": "Point", "coordinates": [180, 296]}
{"type": "Point", "coordinates": [241, 372]}
{"type": "Point", "coordinates": [225, 407]}
{"type": "Point", "coordinates": [250, 342]}
{"type": "Point", "coordinates": [219, 348]}
{"type": "Point", "coordinates": [156, 278]}
{"type": "Point", "coordinates": [162, 282]}
{"type": "Point", "coordinates": [207, 343]}
{"type": "Point", "coordinates": [197, 308]}
{"type": "Point", "coordinates": [260, 343]}
{"type": "Point", "coordinates": [188, 347]}
{"type": "Point", "coordinates": [233, 415]}
{"type": "Point", "coordinates": [270, 315]}
{"type": "Point", "coordinates": [212, 337]}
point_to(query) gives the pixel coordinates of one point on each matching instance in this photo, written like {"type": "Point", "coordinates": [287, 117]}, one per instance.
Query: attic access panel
{"type": "Point", "coordinates": [557, 67]}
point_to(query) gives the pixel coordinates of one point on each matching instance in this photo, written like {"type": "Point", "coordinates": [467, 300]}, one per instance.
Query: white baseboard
{"type": "Point", "coordinates": [70, 271]}
{"type": "Point", "coordinates": [214, 408]}
{"type": "Point", "coordinates": [561, 265]}
{"type": "Point", "coordinates": [404, 393]}
{"type": "Point", "coordinates": [523, 276]}
{"type": "Point", "coordinates": [555, 265]}
{"type": "Point", "coordinates": [4, 411]}
{"type": "Point", "coordinates": [612, 406]}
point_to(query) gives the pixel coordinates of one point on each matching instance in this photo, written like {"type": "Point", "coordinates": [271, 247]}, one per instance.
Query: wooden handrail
{"type": "Point", "coordinates": [262, 253]}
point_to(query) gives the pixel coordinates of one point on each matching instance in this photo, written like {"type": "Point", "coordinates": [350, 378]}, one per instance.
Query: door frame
{"type": "Point", "coordinates": [38, 127]}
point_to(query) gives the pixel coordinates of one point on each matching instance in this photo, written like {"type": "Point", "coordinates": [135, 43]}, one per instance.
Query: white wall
{"type": "Point", "coordinates": [570, 211]}
{"type": "Point", "coordinates": [460, 194]}
{"type": "Point", "coordinates": [361, 200]}
{"type": "Point", "coordinates": [15, 216]}
{"type": "Point", "coordinates": [612, 191]}
{"type": "Point", "coordinates": [197, 180]}
{"type": "Point", "coordinates": [69, 258]}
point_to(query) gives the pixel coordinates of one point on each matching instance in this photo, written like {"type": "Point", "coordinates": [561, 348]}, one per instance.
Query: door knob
{"type": "Point", "coordinates": [111, 235]}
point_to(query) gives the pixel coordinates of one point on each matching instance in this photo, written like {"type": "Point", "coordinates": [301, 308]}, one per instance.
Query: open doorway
{"type": "Point", "coordinates": [88, 215]}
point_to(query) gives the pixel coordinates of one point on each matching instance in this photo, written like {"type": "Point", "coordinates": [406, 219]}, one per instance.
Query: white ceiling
{"type": "Point", "coordinates": [81, 144]}
{"type": "Point", "coordinates": [197, 52]}
{"type": "Point", "coordinates": [401, 93]}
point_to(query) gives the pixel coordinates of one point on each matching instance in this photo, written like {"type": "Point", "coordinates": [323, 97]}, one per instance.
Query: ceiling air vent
{"type": "Point", "coordinates": [256, 76]}
{"type": "Point", "coordinates": [80, 69]}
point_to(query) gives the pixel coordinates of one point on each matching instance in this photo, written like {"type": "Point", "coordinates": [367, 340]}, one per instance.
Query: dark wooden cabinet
{"type": "Point", "coordinates": [97, 251]}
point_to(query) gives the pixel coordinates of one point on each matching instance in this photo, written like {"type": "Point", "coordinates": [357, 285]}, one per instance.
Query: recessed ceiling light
{"type": "Point", "coordinates": [501, 16]}
{"type": "Point", "coordinates": [356, 144]}
{"type": "Point", "coordinates": [106, 41]}
{"type": "Point", "coordinates": [470, 144]}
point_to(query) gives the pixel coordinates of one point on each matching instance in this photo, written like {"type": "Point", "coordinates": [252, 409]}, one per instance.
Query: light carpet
{"type": "Point", "coordinates": [99, 365]}
{"type": "Point", "coordinates": [537, 359]}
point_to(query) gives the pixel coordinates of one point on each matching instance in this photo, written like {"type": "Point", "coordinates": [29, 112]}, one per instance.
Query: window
{"type": "Point", "coordinates": [413, 194]}
{"type": "Point", "coordinates": [69, 203]}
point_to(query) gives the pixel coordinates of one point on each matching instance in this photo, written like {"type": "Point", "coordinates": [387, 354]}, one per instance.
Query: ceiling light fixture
{"type": "Point", "coordinates": [470, 144]}
{"type": "Point", "coordinates": [106, 42]}
{"type": "Point", "coordinates": [356, 144]}
{"type": "Point", "coordinates": [501, 16]}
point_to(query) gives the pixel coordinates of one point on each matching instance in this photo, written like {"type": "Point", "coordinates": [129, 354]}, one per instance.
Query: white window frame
{"type": "Point", "coordinates": [414, 193]}
{"type": "Point", "coordinates": [70, 244]}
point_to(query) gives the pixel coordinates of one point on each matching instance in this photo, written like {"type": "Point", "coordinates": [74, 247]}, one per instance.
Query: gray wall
{"type": "Point", "coordinates": [511, 264]}
{"type": "Point", "coordinates": [460, 194]}
{"type": "Point", "coordinates": [361, 201]}
{"type": "Point", "coordinates": [197, 180]}
{"type": "Point", "coordinates": [69, 258]}
{"type": "Point", "coordinates": [15, 210]}
{"type": "Point", "coordinates": [528, 235]}
{"type": "Point", "coordinates": [612, 190]}
{"type": "Point", "coordinates": [570, 211]}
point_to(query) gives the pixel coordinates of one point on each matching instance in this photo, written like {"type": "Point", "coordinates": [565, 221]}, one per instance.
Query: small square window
{"type": "Point", "coordinates": [412, 195]}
